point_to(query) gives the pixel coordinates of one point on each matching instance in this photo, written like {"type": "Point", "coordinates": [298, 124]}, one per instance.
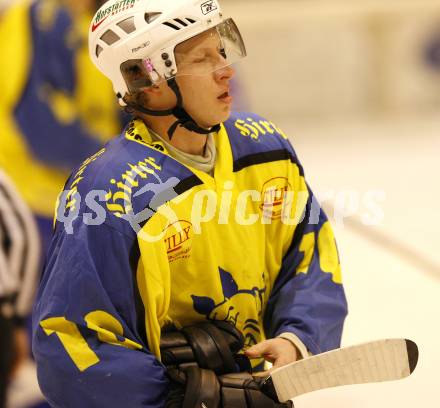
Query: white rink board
{"type": "Point", "coordinates": [389, 296]}
{"type": "Point", "coordinates": [325, 58]}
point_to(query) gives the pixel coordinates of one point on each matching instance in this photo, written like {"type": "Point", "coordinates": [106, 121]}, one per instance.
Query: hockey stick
{"type": "Point", "coordinates": [376, 361]}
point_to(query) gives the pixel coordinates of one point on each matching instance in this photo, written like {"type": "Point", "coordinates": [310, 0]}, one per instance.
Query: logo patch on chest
{"type": "Point", "coordinates": [274, 196]}
{"type": "Point", "coordinates": [178, 240]}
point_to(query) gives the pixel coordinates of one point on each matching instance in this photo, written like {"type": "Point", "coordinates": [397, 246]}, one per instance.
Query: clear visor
{"type": "Point", "coordinates": [200, 55]}
{"type": "Point", "coordinates": [210, 51]}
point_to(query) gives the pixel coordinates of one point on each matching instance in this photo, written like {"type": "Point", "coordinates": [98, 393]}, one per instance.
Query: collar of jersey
{"type": "Point", "coordinates": [138, 132]}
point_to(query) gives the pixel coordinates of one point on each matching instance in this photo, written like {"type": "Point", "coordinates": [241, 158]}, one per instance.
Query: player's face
{"type": "Point", "coordinates": [204, 79]}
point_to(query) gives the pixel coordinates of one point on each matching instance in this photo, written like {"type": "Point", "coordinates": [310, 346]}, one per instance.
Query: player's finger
{"type": "Point", "coordinates": [261, 373]}
{"type": "Point", "coordinates": [257, 350]}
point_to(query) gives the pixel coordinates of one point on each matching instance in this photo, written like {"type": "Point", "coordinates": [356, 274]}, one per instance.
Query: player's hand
{"type": "Point", "coordinates": [277, 351]}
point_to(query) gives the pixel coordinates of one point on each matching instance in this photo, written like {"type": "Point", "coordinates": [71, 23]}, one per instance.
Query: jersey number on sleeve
{"type": "Point", "coordinates": [109, 330]}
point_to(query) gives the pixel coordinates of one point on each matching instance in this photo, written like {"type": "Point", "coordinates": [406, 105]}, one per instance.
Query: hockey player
{"type": "Point", "coordinates": [195, 218]}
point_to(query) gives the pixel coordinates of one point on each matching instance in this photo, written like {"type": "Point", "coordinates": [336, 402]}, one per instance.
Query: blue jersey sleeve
{"type": "Point", "coordinates": [308, 297]}
{"type": "Point", "coordinates": [86, 339]}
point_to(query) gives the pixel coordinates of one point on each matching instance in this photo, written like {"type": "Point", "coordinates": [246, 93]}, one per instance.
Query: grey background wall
{"type": "Point", "coordinates": [327, 58]}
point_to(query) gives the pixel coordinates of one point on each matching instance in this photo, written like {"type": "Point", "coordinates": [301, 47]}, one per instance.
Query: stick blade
{"type": "Point", "coordinates": [413, 354]}
{"type": "Point", "coordinates": [376, 361]}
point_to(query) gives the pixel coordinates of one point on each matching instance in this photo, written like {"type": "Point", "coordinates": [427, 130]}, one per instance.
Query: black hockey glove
{"type": "Point", "coordinates": [197, 387]}
{"type": "Point", "coordinates": [210, 345]}
{"type": "Point", "coordinates": [243, 390]}
{"type": "Point", "coordinates": [193, 387]}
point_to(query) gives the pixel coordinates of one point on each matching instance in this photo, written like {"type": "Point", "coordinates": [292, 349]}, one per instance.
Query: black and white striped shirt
{"type": "Point", "coordinates": [19, 252]}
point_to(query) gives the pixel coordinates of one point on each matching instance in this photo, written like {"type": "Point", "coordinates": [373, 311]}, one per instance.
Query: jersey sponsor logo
{"type": "Point", "coordinates": [236, 303]}
{"type": "Point", "coordinates": [178, 240]}
{"type": "Point", "coordinates": [274, 196]}
{"type": "Point", "coordinates": [111, 10]}
{"type": "Point", "coordinates": [257, 128]}
{"type": "Point", "coordinates": [208, 7]}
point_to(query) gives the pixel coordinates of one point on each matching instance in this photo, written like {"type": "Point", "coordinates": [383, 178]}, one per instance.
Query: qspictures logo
{"type": "Point", "coordinates": [111, 10]}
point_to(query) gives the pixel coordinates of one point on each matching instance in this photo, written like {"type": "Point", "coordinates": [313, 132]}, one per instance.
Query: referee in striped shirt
{"type": "Point", "coordinates": [19, 265]}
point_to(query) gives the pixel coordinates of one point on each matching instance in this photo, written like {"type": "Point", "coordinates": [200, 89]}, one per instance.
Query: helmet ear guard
{"type": "Point", "coordinates": [136, 75]}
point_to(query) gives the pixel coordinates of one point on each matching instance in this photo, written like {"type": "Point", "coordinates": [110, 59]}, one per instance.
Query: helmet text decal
{"type": "Point", "coordinates": [208, 6]}
{"type": "Point", "coordinates": [113, 9]}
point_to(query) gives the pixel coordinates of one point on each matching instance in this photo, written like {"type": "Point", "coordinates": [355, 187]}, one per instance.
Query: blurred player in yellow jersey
{"type": "Point", "coordinates": [56, 108]}
{"type": "Point", "coordinates": [53, 106]}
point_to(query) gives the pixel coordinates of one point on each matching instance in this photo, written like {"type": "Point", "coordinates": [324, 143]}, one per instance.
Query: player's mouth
{"type": "Point", "coordinates": [225, 97]}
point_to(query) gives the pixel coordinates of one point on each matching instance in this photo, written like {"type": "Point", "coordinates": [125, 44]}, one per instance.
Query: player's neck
{"type": "Point", "coordinates": [183, 139]}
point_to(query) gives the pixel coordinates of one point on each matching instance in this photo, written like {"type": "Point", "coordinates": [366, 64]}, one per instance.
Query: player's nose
{"type": "Point", "coordinates": [224, 73]}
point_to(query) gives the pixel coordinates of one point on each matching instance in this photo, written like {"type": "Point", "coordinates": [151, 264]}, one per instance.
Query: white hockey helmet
{"type": "Point", "coordinates": [144, 34]}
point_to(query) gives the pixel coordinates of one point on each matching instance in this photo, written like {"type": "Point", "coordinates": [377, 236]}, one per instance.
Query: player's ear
{"type": "Point", "coordinates": [155, 89]}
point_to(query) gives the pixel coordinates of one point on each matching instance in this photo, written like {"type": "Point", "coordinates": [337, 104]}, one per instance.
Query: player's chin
{"type": "Point", "coordinates": [223, 113]}
{"type": "Point", "coordinates": [215, 119]}
{"type": "Point", "coordinates": [225, 116]}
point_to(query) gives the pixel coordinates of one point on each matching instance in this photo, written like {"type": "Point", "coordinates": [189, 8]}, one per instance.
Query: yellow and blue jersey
{"type": "Point", "coordinates": [56, 109]}
{"type": "Point", "coordinates": [142, 241]}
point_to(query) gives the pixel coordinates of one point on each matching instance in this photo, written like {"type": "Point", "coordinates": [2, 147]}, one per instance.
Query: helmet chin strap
{"type": "Point", "coordinates": [183, 118]}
